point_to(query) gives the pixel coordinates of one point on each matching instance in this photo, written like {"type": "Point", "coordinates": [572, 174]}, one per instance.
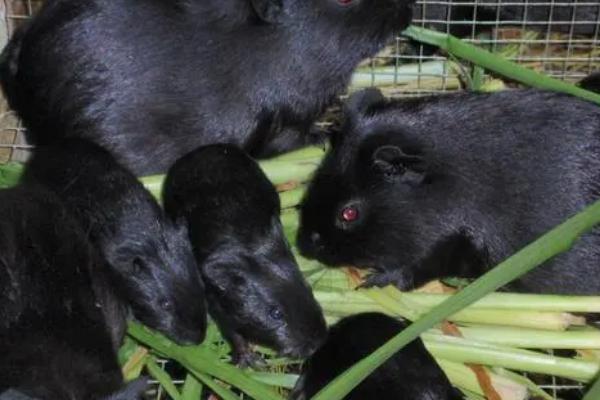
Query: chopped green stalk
{"type": "Point", "coordinates": [222, 392]}
{"type": "Point", "coordinates": [192, 388]}
{"type": "Point", "coordinates": [291, 198]}
{"type": "Point", "coordinates": [463, 377]}
{"type": "Point", "coordinates": [201, 359]}
{"type": "Point", "coordinates": [162, 377]}
{"type": "Point", "coordinates": [398, 75]}
{"type": "Point", "coordinates": [339, 303]}
{"type": "Point", "coordinates": [532, 338]}
{"type": "Point", "coordinates": [511, 301]}
{"type": "Point", "coordinates": [460, 350]}
{"type": "Point", "coordinates": [286, 381]}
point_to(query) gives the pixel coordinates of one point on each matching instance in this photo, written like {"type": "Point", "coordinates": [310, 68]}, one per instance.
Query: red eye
{"type": "Point", "coordinates": [350, 214]}
{"type": "Point", "coordinates": [345, 2]}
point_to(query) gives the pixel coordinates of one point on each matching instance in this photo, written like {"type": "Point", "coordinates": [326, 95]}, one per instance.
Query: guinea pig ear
{"type": "Point", "coordinates": [223, 274]}
{"type": "Point", "coordinates": [394, 164]}
{"type": "Point", "coordinates": [361, 102]}
{"type": "Point", "coordinates": [268, 10]}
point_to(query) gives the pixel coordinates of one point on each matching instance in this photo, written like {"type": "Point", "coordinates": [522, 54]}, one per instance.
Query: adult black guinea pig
{"type": "Point", "coordinates": [151, 79]}
{"type": "Point", "coordinates": [54, 338]}
{"type": "Point", "coordinates": [411, 374]}
{"type": "Point", "coordinates": [150, 258]}
{"type": "Point", "coordinates": [451, 185]}
{"type": "Point", "coordinates": [255, 290]}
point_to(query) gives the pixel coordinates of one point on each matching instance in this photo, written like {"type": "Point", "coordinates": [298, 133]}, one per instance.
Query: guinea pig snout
{"type": "Point", "coordinates": [310, 244]}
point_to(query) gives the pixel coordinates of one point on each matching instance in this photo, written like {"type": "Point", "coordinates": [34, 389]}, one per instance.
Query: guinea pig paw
{"type": "Point", "coordinates": [376, 280]}
{"type": "Point", "coordinates": [249, 359]}
{"type": "Point", "coordinates": [399, 279]}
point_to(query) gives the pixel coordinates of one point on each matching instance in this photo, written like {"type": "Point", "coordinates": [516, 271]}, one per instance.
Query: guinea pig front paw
{"type": "Point", "coordinates": [403, 280]}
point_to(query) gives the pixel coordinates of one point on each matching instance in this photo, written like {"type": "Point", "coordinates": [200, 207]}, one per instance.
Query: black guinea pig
{"type": "Point", "coordinates": [151, 79]}
{"type": "Point", "coordinates": [451, 185]}
{"type": "Point", "coordinates": [150, 258]}
{"type": "Point", "coordinates": [54, 338]}
{"type": "Point", "coordinates": [254, 288]}
{"type": "Point", "coordinates": [411, 374]}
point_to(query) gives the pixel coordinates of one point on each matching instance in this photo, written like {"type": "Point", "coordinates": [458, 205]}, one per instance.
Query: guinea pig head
{"type": "Point", "coordinates": [255, 290]}
{"type": "Point", "coordinates": [371, 203]}
{"type": "Point", "coordinates": [156, 273]}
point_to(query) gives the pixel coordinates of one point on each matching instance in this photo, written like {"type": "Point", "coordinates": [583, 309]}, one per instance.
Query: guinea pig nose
{"type": "Point", "coordinates": [315, 238]}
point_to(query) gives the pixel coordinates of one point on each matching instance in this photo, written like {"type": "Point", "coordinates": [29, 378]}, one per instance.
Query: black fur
{"type": "Point", "coordinates": [151, 79]}
{"type": "Point", "coordinates": [591, 82]}
{"type": "Point", "coordinates": [254, 289]}
{"type": "Point", "coordinates": [452, 185]}
{"type": "Point", "coordinates": [54, 339]}
{"type": "Point", "coordinates": [151, 261]}
{"type": "Point", "coordinates": [411, 374]}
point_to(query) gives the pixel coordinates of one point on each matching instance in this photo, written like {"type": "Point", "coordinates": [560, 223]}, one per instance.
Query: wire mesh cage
{"type": "Point", "coordinates": [560, 38]}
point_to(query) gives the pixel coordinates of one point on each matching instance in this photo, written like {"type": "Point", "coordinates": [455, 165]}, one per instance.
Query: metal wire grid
{"type": "Point", "coordinates": [564, 43]}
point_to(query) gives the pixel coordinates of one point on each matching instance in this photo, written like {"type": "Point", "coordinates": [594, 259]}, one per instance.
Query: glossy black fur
{"type": "Point", "coordinates": [151, 79]}
{"type": "Point", "coordinates": [255, 291]}
{"type": "Point", "coordinates": [54, 338]}
{"type": "Point", "coordinates": [151, 261]}
{"type": "Point", "coordinates": [452, 185]}
{"type": "Point", "coordinates": [411, 374]}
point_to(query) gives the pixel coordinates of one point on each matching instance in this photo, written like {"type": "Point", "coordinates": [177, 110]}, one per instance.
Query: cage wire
{"type": "Point", "coordinates": [558, 38]}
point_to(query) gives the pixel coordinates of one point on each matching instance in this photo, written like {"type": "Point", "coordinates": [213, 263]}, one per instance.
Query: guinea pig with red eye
{"type": "Point", "coordinates": [255, 290]}
{"type": "Point", "coordinates": [156, 78]}
{"type": "Point", "coordinates": [411, 374]}
{"type": "Point", "coordinates": [444, 186]}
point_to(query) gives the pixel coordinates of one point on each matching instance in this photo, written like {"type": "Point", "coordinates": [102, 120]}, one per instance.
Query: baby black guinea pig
{"type": "Point", "coordinates": [267, 68]}
{"type": "Point", "coordinates": [255, 290]}
{"type": "Point", "coordinates": [450, 186]}
{"type": "Point", "coordinates": [411, 374]}
{"type": "Point", "coordinates": [150, 258]}
{"type": "Point", "coordinates": [54, 338]}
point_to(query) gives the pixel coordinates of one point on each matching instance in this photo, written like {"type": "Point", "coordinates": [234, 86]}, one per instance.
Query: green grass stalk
{"type": "Point", "coordinates": [468, 351]}
{"type": "Point", "coordinates": [200, 359]}
{"type": "Point", "coordinates": [163, 378]}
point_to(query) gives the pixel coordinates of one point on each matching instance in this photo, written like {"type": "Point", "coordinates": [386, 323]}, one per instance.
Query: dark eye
{"type": "Point", "coordinates": [276, 314]}
{"type": "Point", "coordinates": [166, 305]}
{"type": "Point", "coordinates": [137, 265]}
{"type": "Point", "coordinates": [349, 214]}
